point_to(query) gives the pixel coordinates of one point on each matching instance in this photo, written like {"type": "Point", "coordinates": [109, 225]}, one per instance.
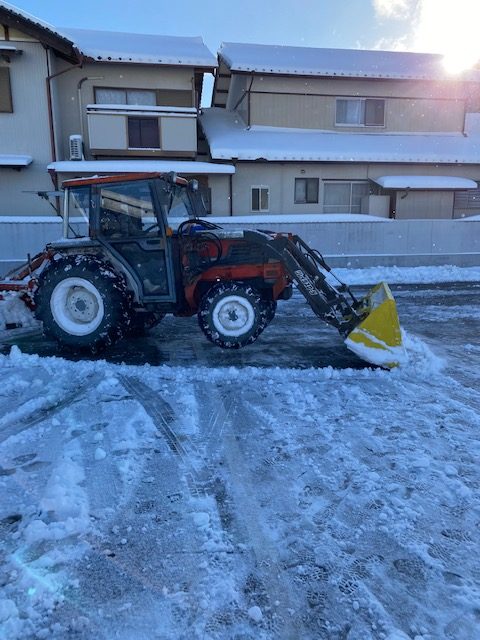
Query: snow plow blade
{"type": "Point", "coordinates": [378, 337]}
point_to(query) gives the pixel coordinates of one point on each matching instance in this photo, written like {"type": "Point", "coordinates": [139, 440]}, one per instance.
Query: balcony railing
{"type": "Point", "coordinates": [126, 130]}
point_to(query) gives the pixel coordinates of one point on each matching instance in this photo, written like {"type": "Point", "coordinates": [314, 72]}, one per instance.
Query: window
{"type": "Point", "coordinates": [143, 133]}
{"type": "Point", "coordinates": [344, 197]}
{"type": "Point", "coordinates": [5, 91]}
{"type": "Point", "coordinates": [126, 210]}
{"type": "Point", "coordinates": [306, 190]}
{"type": "Point", "coordinates": [144, 97]}
{"type": "Point", "coordinates": [360, 112]}
{"type": "Point", "coordinates": [260, 198]}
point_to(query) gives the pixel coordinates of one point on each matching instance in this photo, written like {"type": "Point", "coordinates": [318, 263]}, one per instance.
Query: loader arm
{"type": "Point", "coordinates": [304, 266]}
{"type": "Point", "coordinates": [370, 327]}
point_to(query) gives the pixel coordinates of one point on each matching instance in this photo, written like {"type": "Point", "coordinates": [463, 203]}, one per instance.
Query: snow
{"type": "Point", "coordinates": [425, 182]}
{"type": "Point", "coordinates": [9, 160]}
{"type": "Point", "coordinates": [140, 108]}
{"type": "Point", "coordinates": [139, 166]}
{"type": "Point", "coordinates": [28, 16]}
{"type": "Point", "coordinates": [273, 493]}
{"type": "Point", "coordinates": [229, 138]}
{"type": "Point", "coordinates": [352, 63]}
{"type": "Point", "coordinates": [273, 218]}
{"type": "Point", "coordinates": [408, 275]}
{"type": "Point", "coordinates": [112, 46]}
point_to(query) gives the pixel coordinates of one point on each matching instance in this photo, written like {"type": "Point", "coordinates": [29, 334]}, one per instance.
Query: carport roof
{"type": "Point", "coordinates": [425, 183]}
{"type": "Point", "coordinates": [229, 138]}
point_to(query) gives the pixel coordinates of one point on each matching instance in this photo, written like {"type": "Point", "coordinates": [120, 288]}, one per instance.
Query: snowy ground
{"type": "Point", "coordinates": [283, 491]}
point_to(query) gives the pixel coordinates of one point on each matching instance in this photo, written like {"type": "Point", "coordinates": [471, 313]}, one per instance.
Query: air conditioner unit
{"type": "Point", "coordinates": [75, 143]}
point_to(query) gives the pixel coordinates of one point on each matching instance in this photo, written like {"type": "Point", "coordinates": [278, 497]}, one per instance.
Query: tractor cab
{"type": "Point", "coordinates": [128, 206]}
{"type": "Point", "coordinates": [129, 216]}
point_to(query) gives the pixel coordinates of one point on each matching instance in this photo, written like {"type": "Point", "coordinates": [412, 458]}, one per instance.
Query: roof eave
{"type": "Point", "coordinates": [45, 36]}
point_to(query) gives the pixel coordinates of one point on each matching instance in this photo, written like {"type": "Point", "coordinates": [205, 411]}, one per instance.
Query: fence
{"type": "Point", "coordinates": [356, 244]}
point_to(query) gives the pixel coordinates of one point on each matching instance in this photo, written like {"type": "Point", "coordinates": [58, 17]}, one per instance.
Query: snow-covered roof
{"type": "Point", "coordinates": [140, 166]}
{"type": "Point", "coordinates": [229, 138]}
{"type": "Point", "coordinates": [9, 160]}
{"type": "Point", "coordinates": [442, 183]}
{"type": "Point", "coordinates": [113, 46]}
{"type": "Point", "coordinates": [351, 63]}
{"type": "Point", "coordinates": [31, 18]}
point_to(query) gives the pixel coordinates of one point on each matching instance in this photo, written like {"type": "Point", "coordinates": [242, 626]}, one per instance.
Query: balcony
{"type": "Point", "coordinates": [134, 130]}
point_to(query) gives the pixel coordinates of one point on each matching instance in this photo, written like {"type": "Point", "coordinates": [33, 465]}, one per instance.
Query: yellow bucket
{"type": "Point", "coordinates": [378, 337]}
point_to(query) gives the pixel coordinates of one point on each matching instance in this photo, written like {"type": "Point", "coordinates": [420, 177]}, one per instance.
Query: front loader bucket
{"type": "Point", "coordinates": [378, 338]}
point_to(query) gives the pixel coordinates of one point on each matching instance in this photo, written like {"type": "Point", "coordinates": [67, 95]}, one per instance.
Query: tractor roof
{"type": "Point", "coordinates": [128, 177]}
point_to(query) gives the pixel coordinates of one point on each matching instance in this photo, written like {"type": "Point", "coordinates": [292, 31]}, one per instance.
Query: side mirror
{"type": "Point", "coordinates": [193, 185]}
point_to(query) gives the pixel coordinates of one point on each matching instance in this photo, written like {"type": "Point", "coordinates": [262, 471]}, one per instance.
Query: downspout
{"type": "Point", "coordinates": [48, 81]}
{"type": "Point", "coordinates": [230, 186]}
{"type": "Point", "coordinates": [53, 149]}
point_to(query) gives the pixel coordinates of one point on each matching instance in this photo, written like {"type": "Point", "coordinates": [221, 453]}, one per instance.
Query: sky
{"type": "Point", "coordinates": [449, 27]}
{"type": "Point", "coordinates": [440, 26]}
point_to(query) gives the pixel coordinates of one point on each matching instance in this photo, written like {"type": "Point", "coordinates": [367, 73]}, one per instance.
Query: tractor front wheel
{"type": "Point", "coordinates": [232, 315]}
{"type": "Point", "coordinates": [82, 303]}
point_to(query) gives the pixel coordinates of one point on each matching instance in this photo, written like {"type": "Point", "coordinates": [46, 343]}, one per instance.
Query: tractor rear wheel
{"type": "Point", "coordinates": [232, 315]}
{"type": "Point", "coordinates": [83, 303]}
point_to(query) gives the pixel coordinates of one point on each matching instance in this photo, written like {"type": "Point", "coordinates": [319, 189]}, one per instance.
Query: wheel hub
{"type": "Point", "coordinates": [234, 316]}
{"type": "Point", "coordinates": [82, 305]}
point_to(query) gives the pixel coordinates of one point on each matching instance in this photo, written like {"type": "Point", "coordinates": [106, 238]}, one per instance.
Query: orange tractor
{"type": "Point", "coordinates": [133, 268]}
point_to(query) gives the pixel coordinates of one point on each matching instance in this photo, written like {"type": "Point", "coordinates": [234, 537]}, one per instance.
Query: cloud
{"type": "Point", "coordinates": [393, 8]}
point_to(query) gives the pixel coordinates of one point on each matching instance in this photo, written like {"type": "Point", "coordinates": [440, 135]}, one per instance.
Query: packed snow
{"type": "Point", "coordinates": [281, 491]}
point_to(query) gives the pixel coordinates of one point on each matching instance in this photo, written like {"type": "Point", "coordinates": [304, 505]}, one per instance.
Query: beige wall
{"type": "Point", "coordinates": [310, 102]}
{"type": "Point", "coordinates": [25, 131]}
{"type": "Point", "coordinates": [280, 179]}
{"type": "Point", "coordinates": [424, 205]}
{"type": "Point", "coordinates": [133, 76]}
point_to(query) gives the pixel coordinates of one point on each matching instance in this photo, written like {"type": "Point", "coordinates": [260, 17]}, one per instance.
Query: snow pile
{"type": "Point", "coordinates": [407, 275]}
{"type": "Point", "coordinates": [13, 311]}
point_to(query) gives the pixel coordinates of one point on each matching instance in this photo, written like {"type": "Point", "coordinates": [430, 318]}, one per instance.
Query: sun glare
{"type": "Point", "coordinates": [450, 28]}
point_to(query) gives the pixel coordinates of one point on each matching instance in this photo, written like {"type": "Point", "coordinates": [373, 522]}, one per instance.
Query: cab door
{"type": "Point", "coordinates": [129, 222]}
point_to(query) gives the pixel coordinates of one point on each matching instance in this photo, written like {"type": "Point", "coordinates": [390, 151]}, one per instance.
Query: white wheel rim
{"type": "Point", "coordinates": [233, 316]}
{"type": "Point", "coordinates": [77, 306]}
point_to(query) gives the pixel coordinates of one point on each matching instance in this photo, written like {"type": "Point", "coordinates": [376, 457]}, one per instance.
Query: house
{"type": "Point", "coordinates": [343, 131]}
{"type": "Point", "coordinates": [76, 102]}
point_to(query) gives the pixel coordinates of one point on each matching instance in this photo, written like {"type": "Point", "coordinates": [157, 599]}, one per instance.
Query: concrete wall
{"type": "Point", "coordinates": [394, 242]}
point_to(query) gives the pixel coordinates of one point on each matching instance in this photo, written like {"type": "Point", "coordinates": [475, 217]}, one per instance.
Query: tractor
{"type": "Point", "coordinates": [134, 266]}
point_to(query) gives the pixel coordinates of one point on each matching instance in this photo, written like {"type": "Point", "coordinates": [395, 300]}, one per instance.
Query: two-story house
{"type": "Point", "coordinates": [78, 102]}
{"type": "Point", "coordinates": [343, 131]}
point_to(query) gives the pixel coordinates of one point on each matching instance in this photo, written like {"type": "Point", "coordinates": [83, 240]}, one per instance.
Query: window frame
{"type": "Point", "coordinates": [260, 187]}
{"type": "Point", "coordinates": [125, 90]}
{"type": "Point", "coordinates": [363, 124]}
{"type": "Point", "coordinates": [343, 182]}
{"type": "Point", "coordinates": [142, 118]}
{"type": "Point", "coordinates": [306, 180]}
{"type": "Point", "coordinates": [8, 93]}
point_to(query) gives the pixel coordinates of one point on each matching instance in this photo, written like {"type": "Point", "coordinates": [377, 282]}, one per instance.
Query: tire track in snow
{"type": "Point", "coordinates": [223, 410]}
{"type": "Point", "coordinates": [14, 422]}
